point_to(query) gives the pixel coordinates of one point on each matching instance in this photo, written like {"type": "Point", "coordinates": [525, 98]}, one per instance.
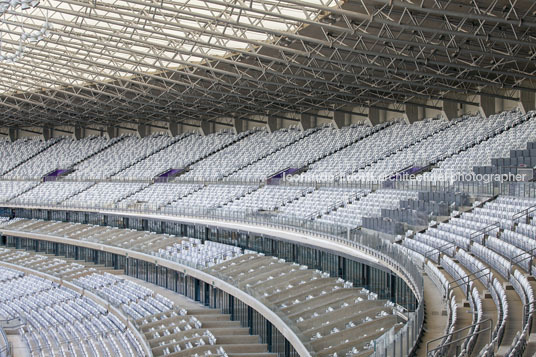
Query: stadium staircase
{"type": "Point", "coordinates": [230, 335]}
{"type": "Point", "coordinates": [514, 320]}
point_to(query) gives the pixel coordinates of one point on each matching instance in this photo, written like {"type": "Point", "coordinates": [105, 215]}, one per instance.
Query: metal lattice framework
{"type": "Point", "coordinates": [113, 61]}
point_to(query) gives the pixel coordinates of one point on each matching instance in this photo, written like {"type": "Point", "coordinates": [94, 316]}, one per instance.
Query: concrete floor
{"type": "Point", "coordinates": [435, 321]}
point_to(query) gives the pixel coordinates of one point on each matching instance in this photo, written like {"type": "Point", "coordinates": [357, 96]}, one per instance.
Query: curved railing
{"type": "Point", "coordinates": [372, 245]}
{"type": "Point", "coordinates": [382, 250]}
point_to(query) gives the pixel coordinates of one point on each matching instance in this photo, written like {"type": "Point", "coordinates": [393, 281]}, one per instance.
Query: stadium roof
{"type": "Point", "coordinates": [112, 61]}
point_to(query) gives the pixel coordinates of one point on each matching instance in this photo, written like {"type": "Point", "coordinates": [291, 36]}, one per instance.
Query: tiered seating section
{"type": "Point", "coordinates": [61, 322]}
{"type": "Point", "coordinates": [119, 156]}
{"type": "Point", "coordinates": [62, 155]}
{"type": "Point", "coordinates": [493, 245]}
{"type": "Point", "coordinates": [315, 145]}
{"type": "Point", "coordinates": [329, 312]}
{"type": "Point", "coordinates": [324, 153]}
{"type": "Point", "coordinates": [472, 256]}
{"type": "Point", "coordinates": [14, 154]}
{"type": "Point", "coordinates": [520, 132]}
{"type": "Point", "coordinates": [370, 205]}
{"type": "Point", "coordinates": [180, 155]}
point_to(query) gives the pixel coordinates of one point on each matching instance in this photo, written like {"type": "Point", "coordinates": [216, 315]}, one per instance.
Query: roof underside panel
{"type": "Point", "coordinates": [112, 61]}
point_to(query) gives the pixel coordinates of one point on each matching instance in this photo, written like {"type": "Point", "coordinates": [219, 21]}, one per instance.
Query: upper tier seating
{"type": "Point", "coordinates": [370, 149]}
{"type": "Point", "coordinates": [314, 146]}
{"type": "Point", "coordinates": [234, 157]}
{"type": "Point", "coordinates": [497, 146]}
{"type": "Point", "coordinates": [21, 150]}
{"type": "Point", "coordinates": [61, 155]}
{"type": "Point", "coordinates": [119, 156]}
{"type": "Point", "coordinates": [324, 154]}
{"type": "Point", "coordinates": [444, 143]}
{"type": "Point", "coordinates": [179, 155]}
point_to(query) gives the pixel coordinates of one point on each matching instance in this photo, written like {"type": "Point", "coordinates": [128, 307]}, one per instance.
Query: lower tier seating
{"type": "Point", "coordinates": [327, 311]}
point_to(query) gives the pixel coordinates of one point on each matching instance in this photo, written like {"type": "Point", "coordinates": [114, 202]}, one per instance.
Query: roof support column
{"type": "Point", "coordinates": [487, 104]}
{"type": "Point", "coordinates": [143, 130]}
{"type": "Point", "coordinates": [527, 99]}
{"type": "Point", "coordinates": [306, 122]}
{"type": "Point", "coordinates": [47, 132]}
{"type": "Point", "coordinates": [173, 129]}
{"type": "Point", "coordinates": [239, 125]}
{"type": "Point", "coordinates": [339, 119]}
{"type": "Point", "coordinates": [13, 134]}
{"type": "Point", "coordinates": [412, 113]}
{"type": "Point", "coordinates": [450, 109]}
{"type": "Point", "coordinates": [112, 132]}
{"type": "Point", "coordinates": [207, 128]}
{"type": "Point", "coordinates": [374, 116]}
{"type": "Point", "coordinates": [271, 124]}
{"type": "Point", "coordinates": [78, 132]}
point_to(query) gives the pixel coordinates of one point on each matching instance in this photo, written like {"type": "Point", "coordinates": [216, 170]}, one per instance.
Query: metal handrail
{"type": "Point", "coordinates": [524, 256]}
{"type": "Point", "coordinates": [474, 277]}
{"type": "Point", "coordinates": [484, 230]}
{"type": "Point", "coordinates": [439, 249]}
{"type": "Point", "coordinates": [428, 351]}
{"type": "Point", "coordinates": [523, 213]}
